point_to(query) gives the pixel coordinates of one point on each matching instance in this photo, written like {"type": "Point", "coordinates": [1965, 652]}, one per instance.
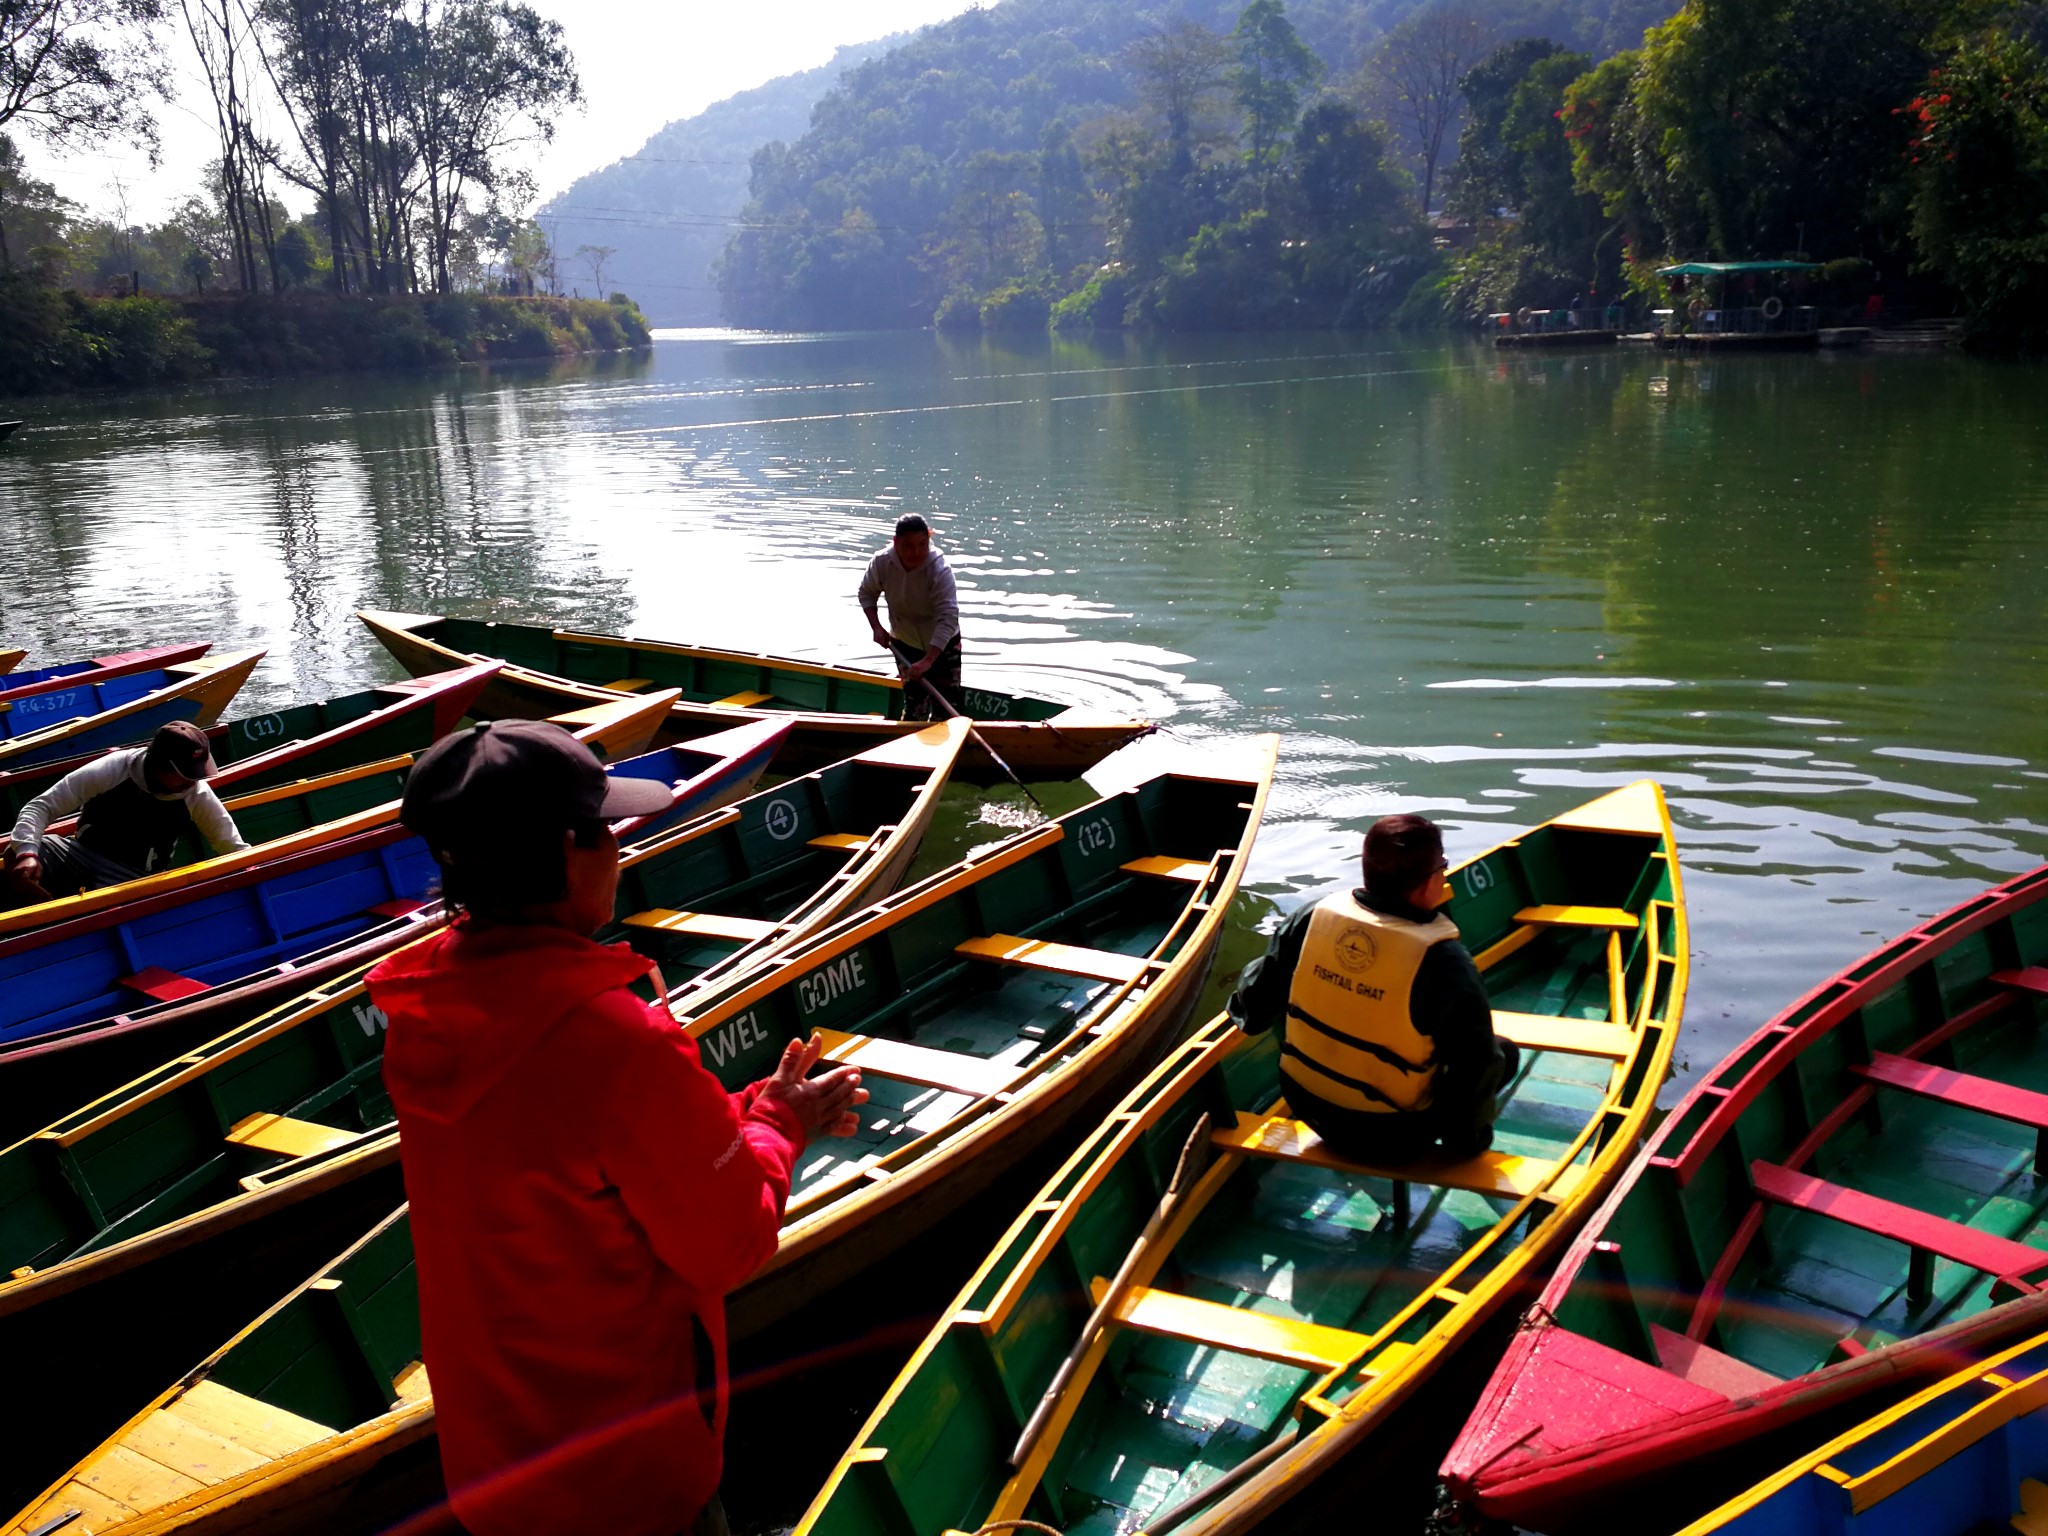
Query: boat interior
{"type": "Point", "coordinates": [1853, 1177]}
{"type": "Point", "coordinates": [1044, 942]}
{"type": "Point", "coordinates": [1287, 1280]}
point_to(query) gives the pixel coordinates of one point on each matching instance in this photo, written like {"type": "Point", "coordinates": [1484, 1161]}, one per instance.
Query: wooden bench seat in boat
{"type": "Point", "coordinates": [1164, 866]}
{"type": "Point", "coordinates": [629, 684]}
{"type": "Point", "coordinates": [1928, 1236]}
{"type": "Point", "coordinates": [702, 925]}
{"type": "Point", "coordinates": [1577, 917]}
{"type": "Point", "coordinates": [953, 1071]}
{"type": "Point", "coordinates": [741, 700]}
{"type": "Point", "coordinates": [841, 842]}
{"type": "Point", "coordinates": [1501, 1174]}
{"type": "Point", "coordinates": [1068, 959]}
{"type": "Point", "coordinates": [1569, 1037]}
{"type": "Point", "coordinates": [1169, 1315]}
{"type": "Point", "coordinates": [2033, 978]}
{"type": "Point", "coordinates": [162, 986]}
{"type": "Point", "coordinates": [287, 1137]}
{"type": "Point", "coordinates": [2023, 1106]}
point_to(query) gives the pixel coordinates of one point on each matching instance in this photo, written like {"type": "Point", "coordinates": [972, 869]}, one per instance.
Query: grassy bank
{"type": "Point", "coordinates": [51, 340]}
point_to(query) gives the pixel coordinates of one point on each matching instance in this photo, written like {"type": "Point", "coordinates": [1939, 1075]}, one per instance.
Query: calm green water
{"type": "Point", "coordinates": [1805, 593]}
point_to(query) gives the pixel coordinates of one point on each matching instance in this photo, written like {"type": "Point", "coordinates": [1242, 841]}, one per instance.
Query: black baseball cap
{"type": "Point", "coordinates": [183, 746]}
{"type": "Point", "coordinates": [511, 773]}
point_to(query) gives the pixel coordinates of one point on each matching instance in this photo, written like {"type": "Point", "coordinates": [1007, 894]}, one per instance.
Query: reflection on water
{"type": "Point", "coordinates": [1805, 593]}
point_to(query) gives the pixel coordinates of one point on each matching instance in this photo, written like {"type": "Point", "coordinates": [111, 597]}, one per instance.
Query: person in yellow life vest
{"type": "Point", "coordinates": [1387, 1044]}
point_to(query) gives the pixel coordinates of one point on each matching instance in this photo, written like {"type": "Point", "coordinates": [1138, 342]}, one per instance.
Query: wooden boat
{"type": "Point", "coordinates": [753, 887]}
{"type": "Point", "coordinates": [1968, 1455]}
{"type": "Point", "coordinates": [1290, 1302]}
{"type": "Point", "coordinates": [263, 751]}
{"type": "Point", "coordinates": [101, 669]}
{"type": "Point", "coordinates": [837, 710]}
{"type": "Point", "coordinates": [216, 940]}
{"type": "Point", "coordinates": [1841, 1209]}
{"type": "Point", "coordinates": [91, 717]}
{"type": "Point", "coordinates": [977, 1046]}
{"type": "Point", "coordinates": [284, 1122]}
{"type": "Point", "coordinates": [9, 660]}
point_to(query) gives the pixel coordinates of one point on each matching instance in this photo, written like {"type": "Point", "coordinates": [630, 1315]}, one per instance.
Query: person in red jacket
{"type": "Point", "coordinates": [584, 1192]}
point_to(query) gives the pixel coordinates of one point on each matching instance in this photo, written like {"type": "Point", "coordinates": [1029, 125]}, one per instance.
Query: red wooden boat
{"type": "Point", "coordinates": [1832, 1217]}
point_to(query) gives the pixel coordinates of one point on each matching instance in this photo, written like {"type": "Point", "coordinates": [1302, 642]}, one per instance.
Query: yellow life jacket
{"type": "Point", "coordinates": [1349, 1038]}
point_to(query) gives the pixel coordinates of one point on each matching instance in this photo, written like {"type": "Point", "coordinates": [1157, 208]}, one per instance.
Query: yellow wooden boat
{"type": "Point", "coordinates": [197, 690]}
{"type": "Point", "coordinates": [1266, 1312]}
{"type": "Point", "coordinates": [9, 660]}
{"type": "Point", "coordinates": [977, 1047]}
{"type": "Point", "coordinates": [836, 711]}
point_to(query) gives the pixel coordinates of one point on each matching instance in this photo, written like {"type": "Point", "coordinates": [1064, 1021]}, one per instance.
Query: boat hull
{"type": "Point", "coordinates": [197, 691]}
{"type": "Point", "coordinates": [1063, 746]}
{"type": "Point", "coordinates": [1576, 1427]}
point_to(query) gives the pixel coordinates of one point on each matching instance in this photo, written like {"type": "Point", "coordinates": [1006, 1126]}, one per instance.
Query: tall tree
{"type": "Point", "coordinates": [481, 76]}
{"type": "Point", "coordinates": [1066, 203]}
{"type": "Point", "coordinates": [1486, 175]}
{"type": "Point", "coordinates": [1182, 69]}
{"type": "Point", "coordinates": [1272, 68]}
{"type": "Point", "coordinates": [1414, 74]}
{"type": "Point", "coordinates": [73, 71]}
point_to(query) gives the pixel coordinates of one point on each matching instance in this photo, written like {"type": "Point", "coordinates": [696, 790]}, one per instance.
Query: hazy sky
{"type": "Point", "coordinates": [644, 63]}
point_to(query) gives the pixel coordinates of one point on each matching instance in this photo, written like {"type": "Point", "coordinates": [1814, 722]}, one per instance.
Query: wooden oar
{"type": "Point", "coordinates": [1208, 1494]}
{"type": "Point", "coordinates": [1185, 1173]}
{"type": "Point", "coordinates": [974, 735]}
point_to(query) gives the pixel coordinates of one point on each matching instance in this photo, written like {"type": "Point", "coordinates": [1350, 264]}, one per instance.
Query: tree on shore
{"type": "Point", "coordinates": [1415, 76]}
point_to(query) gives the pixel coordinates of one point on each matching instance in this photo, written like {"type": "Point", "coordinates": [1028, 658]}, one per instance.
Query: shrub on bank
{"type": "Point", "coordinates": [51, 340]}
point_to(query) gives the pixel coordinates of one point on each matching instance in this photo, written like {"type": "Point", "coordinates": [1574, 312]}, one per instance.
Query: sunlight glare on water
{"type": "Point", "coordinates": [1804, 593]}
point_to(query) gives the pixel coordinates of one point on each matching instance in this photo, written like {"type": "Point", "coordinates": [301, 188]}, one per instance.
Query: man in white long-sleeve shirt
{"type": "Point", "coordinates": [132, 807]}
{"type": "Point", "coordinates": [924, 616]}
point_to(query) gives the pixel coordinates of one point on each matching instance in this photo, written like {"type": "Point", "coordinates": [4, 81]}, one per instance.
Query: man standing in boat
{"type": "Point", "coordinates": [1387, 1046]}
{"type": "Point", "coordinates": [584, 1192]}
{"type": "Point", "coordinates": [924, 617]}
{"type": "Point", "coordinates": [132, 807]}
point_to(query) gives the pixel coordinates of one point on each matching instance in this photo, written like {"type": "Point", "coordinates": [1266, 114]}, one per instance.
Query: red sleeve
{"type": "Point", "coordinates": [705, 1173]}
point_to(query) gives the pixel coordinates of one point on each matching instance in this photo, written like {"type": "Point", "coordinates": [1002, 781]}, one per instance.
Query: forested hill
{"type": "Point", "coordinates": [666, 211]}
{"type": "Point", "coordinates": [896, 196]}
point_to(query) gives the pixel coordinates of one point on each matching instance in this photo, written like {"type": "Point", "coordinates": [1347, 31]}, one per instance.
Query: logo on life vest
{"type": "Point", "coordinates": [1356, 950]}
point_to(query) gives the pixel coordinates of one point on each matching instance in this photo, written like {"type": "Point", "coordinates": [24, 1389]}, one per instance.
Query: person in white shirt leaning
{"type": "Point", "coordinates": [924, 617]}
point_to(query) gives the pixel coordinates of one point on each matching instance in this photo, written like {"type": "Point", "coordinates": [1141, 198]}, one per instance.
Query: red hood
{"type": "Point", "coordinates": [466, 1005]}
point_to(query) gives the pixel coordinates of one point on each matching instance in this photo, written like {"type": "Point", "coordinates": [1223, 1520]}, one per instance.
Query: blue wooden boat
{"type": "Point", "coordinates": [46, 724]}
{"type": "Point", "coordinates": [77, 674]}
{"type": "Point", "coordinates": [1966, 1456]}
{"type": "Point", "coordinates": [229, 933]}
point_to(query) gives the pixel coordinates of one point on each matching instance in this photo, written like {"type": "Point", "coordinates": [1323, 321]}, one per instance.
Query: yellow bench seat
{"type": "Point", "coordinates": [1569, 1037]}
{"type": "Point", "coordinates": [954, 1071]}
{"type": "Point", "coordinates": [287, 1137]}
{"type": "Point", "coordinates": [1309, 1346]}
{"type": "Point", "coordinates": [741, 700]}
{"type": "Point", "coordinates": [1578, 917]}
{"type": "Point", "coordinates": [1162, 866]}
{"type": "Point", "coordinates": [1501, 1174]}
{"type": "Point", "coordinates": [702, 925]}
{"type": "Point", "coordinates": [1068, 959]}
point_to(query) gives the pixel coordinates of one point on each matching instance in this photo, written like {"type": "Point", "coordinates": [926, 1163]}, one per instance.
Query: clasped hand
{"type": "Point", "coordinates": [826, 1103]}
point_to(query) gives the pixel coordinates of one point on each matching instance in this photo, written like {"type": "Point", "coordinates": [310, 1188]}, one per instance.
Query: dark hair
{"type": "Point", "coordinates": [911, 522]}
{"type": "Point", "coordinates": [1400, 853]}
{"type": "Point", "coordinates": [500, 875]}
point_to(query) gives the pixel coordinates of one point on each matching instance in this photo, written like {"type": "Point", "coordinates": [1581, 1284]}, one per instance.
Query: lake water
{"type": "Point", "coordinates": [1805, 593]}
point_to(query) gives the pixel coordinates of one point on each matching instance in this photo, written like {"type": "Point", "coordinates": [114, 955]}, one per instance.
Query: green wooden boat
{"type": "Point", "coordinates": [837, 710]}
{"type": "Point", "coordinates": [990, 1008]}
{"type": "Point", "coordinates": [280, 1129]}
{"type": "Point", "coordinates": [1287, 1302]}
